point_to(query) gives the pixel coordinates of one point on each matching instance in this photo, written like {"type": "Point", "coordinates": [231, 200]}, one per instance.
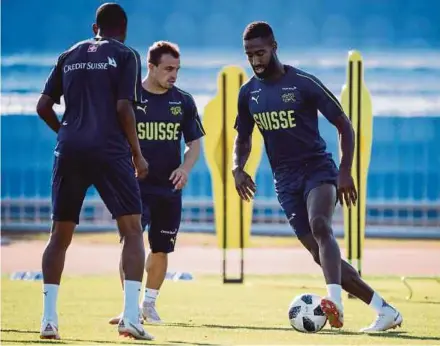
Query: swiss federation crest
{"type": "Point", "coordinates": [288, 97]}
{"type": "Point", "coordinates": [176, 110]}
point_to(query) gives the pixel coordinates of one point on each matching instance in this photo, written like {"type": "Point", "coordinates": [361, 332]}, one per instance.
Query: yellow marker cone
{"type": "Point", "coordinates": [218, 120]}
{"type": "Point", "coordinates": [356, 102]}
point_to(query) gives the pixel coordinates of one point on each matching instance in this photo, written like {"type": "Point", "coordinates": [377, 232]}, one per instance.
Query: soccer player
{"type": "Point", "coordinates": [96, 145]}
{"type": "Point", "coordinates": [283, 102]}
{"type": "Point", "coordinates": [164, 114]}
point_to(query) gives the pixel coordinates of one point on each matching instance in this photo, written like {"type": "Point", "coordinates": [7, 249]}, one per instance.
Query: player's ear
{"type": "Point", "coordinates": [95, 29]}
{"type": "Point", "coordinates": [150, 66]}
{"type": "Point", "coordinates": [275, 45]}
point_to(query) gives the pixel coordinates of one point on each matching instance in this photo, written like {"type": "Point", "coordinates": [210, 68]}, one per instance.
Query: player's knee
{"type": "Point", "coordinates": [60, 241]}
{"type": "Point", "coordinates": [159, 254]}
{"type": "Point", "coordinates": [321, 228]}
{"type": "Point", "coordinates": [60, 237]}
{"type": "Point", "coordinates": [130, 225]}
{"type": "Point", "coordinates": [157, 258]}
{"type": "Point", "coordinates": [161, 249]}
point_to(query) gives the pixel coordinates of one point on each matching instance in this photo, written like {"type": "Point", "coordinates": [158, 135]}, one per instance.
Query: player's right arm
{"type": "Point", "coordinates": [244, 124]}
{"type": "Point", "coordinates": [330, 107]}
{"type": "Point", "coordinates": [51, 94]}
{"type": "Point", "coordinates": [128, 93]}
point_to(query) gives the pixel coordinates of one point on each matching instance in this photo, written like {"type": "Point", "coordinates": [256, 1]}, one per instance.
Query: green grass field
{"type": "Point", "coordinates": [206, 312]}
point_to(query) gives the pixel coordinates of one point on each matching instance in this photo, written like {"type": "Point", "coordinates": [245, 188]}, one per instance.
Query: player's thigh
{"type": "Point", "coordinates": [119, 189]}
{"type": "Point", "coordinates": [147, 203]}
{"type": "Point", "coordinates": [321, 202]}
{"type": "Point", "coordinates": [295, 208]}
{"type": "Point", "coordinates": [165, 223]}
{"type": "Point", "coordinates": [70, 181]}
{"type": "Point", "coordinates": [320, 190]}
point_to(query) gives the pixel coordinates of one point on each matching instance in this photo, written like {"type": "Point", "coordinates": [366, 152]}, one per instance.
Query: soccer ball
{"type": "Point", "coordinates": [305, 313]}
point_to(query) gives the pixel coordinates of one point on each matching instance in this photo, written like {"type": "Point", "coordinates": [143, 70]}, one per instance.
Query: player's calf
{"type": "Point", "coordinates": [55, 252]}
{"type": "Point", "coordinates": [133, 249]}
{"type": "Point", "coordinates": [156, 267]}
{"type": "Point", "coordinates": [53, 264]}
{"type": "Point", "coordinates": [329, 255]}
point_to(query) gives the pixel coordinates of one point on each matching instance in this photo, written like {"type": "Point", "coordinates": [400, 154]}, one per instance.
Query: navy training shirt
{"type": "Point", "coordinates": [161, 120]}
{"type": "Point", "coordinates": [286, 113]}
{"type": "Point", "coordinates": [93, 75]}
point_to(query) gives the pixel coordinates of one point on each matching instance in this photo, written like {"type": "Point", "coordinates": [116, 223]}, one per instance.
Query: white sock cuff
{"type": "Point", "coordinates": [152, 293]}
{"type": "Point", "coordinates": [377, 302]}
{"type": "Point", "coordinates": [335, 292]}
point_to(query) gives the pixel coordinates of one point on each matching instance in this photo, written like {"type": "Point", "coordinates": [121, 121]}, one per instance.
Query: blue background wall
{"type": "Point", "coordinates": [400, 40]}
{"type": "Point", "coordinates": [52, 24]}
{"type": "Point", "coordinates": [404, 165]}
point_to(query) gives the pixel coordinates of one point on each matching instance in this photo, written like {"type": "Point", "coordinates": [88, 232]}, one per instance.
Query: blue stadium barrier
{"type": "Point", "coordinates": [403, 187]}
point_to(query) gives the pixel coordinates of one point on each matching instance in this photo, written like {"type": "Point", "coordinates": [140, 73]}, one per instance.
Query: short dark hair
{"type": "Point", "coordinates": [157, 49]}
{"type": "Point", "coordinates": [111, 16]}
{"type": "Point", "coordinates": [258, 30]}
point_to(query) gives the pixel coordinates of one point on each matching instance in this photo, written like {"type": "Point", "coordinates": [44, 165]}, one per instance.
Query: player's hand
{"type": "Point", "coordinates": [179, 177]}
{"type": "Point", "coordinates": [244, 184]}
{"type": "Point", "coordinates": [141, 166]}
{"type": "Point", "coordinates": [346, 189]}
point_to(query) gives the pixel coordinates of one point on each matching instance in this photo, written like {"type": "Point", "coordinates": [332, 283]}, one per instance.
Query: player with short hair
{"type": "Point", "coordinates": [96, 145]}
{"type": "Point", "coordinates": [283, 102]}
{"type": "Point", "coordinates": [164, 114]}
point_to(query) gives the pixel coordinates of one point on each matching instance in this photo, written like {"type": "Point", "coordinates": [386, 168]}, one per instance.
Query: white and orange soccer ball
{"type": "Point", "coordinates": [305, 313]}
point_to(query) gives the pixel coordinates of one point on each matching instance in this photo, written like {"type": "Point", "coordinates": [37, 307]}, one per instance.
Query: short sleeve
{"type": "Point", "coordinates": [129, 86]}
{"type": "Point", "coordinates": [192, 127]}
{"type": "Point", "coordinates": [54, 83]}
{"type": "Point", "coordinates": [244, 122]}
{"type": "Point", "coordinates": [325, 101]}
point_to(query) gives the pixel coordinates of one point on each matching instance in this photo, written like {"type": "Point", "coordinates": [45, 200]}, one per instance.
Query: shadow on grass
{"type": "Point", "coordinates": [19, 331]}
{"type": "Point", "coordinates": [398, 335]}
{"type": "Point", "coordinates": [222, 326]}
{"type": "Point", "coordinates": [191, 343]}
{"type": "Point", "coordinates": [65, 341]}
{"type": "Point", "coordinates": [394, 334]}
{"type": "Point", "coordinates": [403, 336]}
{"type": "Point", "coordinates": [36, 339]}
{"type": "Point", "coordinates": [261, 328]}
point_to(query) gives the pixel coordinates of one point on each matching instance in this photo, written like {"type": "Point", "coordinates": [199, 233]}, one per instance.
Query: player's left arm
{"type": "Point", "coordinates": [193, 131]}
{"type": "Point", "coordinates": [128, 91]}
{"type": "Point", "coordinates": [51, 94]}
{"type": "Point", "coordinates": [330, 107]}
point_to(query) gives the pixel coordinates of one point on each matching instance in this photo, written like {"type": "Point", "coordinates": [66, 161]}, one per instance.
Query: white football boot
{"type": "Point", "coordinates": [133, 330]}
{"type": "Point", "coordinates": [389, 318]}
{"type": "Point", "coordinates": [150, 314]}
{"type": "Point", "coordinates": [49, 330]}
